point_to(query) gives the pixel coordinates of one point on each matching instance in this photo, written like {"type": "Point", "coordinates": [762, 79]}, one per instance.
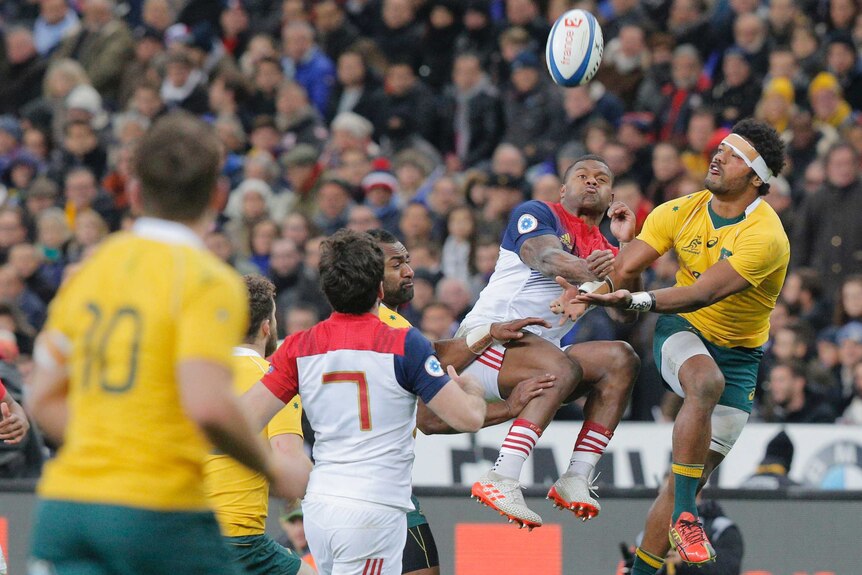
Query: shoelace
{"type": "Point", "coordinates": [593, 484]}
{"type": "Point", "coordinates": [691, 532]}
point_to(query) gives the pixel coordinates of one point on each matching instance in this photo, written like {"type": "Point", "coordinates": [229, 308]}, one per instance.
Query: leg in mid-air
{"type": "Point", "coordinates": [610, 369]}
{"type": "Point", "coordinates": [500, 370]}
{"type": "Point", "coordinates": [717, 385]}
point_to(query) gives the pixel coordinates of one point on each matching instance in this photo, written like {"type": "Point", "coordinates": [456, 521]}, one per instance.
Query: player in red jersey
{"type": "Point", "coordinates": [544, 241]}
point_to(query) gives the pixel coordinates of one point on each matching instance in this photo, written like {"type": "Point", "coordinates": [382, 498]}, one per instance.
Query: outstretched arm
{"type": "Point", "coordinates": [631, 262]}
{"type": "Point", "coordinates": [498, 412]}
{"type": "Point", "coordinates": [461, 352]}
{"type": "Point", "coordinates": [716, 283]}
{"type": "Point", "coordinates": [546, 255]}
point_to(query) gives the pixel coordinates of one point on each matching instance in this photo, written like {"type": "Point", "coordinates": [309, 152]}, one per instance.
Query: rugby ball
{"type": "Point", "coordinates": [574, 48]}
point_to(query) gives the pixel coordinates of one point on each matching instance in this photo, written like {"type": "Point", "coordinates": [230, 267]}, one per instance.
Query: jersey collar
{"type": "Point", "coordinates": [245, 352]}
{"type": "Point", "coordinates": [719, 222]}
{"type": "Point", "coordinates": [166, 231]}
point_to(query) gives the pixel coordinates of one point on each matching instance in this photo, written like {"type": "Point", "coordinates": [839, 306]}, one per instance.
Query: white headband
{"type": "Point", "coordinates": [749, 155]}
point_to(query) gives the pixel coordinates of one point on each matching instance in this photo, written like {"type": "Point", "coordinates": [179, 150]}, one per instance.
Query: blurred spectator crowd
{"type": "Point", "coordinates": [433, 119]}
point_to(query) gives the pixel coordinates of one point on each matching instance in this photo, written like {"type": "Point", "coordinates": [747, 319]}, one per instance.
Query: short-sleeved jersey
{"type": "Point", "coordinates": [391, 317]}
{"type": "Point", "coordinates": [145, 302]}
{"type": "Point", "coordinates": [359, 379]}
{"type": "Point", "coordinates": [2, 391]}
{"type": "Point", "coordinates": [240, 496]}
{"type": "Point", "coordinates": [515, 290]}
{"type": "Point", "coordinates": [753, 243]}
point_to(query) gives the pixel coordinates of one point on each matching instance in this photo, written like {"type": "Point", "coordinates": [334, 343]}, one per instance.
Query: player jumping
{"type": "Point", "coordinates": [420, 552]}
{"type": "Point", "coordinates": [542, 241]}
{"type": "Point", "coordinates": [733, 256]}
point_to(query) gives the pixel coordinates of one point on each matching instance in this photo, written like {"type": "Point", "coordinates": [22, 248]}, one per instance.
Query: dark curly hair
{"type": "Point", "coordinates": [261, 292]}
{"type": "Point", "coordinates": [768, 144]}
{"type": "Point", "coordinates": [351, 271]}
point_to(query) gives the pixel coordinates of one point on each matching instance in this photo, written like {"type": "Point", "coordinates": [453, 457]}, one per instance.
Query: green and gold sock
{"type": "Point", "coordinates": [686, 477]}
{"type": "Point", "coordinates": [646, 563]}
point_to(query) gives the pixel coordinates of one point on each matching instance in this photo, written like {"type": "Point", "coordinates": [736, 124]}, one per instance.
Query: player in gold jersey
{"type": "Point", "coordinates": [733, 255]}
{"type": "Point", "coordinates": [239, 496]}
{"type": "Point", "coordinates": [133, 375]}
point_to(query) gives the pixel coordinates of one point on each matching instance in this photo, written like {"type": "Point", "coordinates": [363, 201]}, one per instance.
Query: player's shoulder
{"type": "Point", "coordinates": [205, 271]}
{"type": "Point", "coordinates": [536, 208]}
{"type": "Point", "coordinates": [531, 216]}
{"type": "Point", "coordinates": [765, 215]}
{"type": "Point", "coordinates": [392, 318]}
{"type": "Point", "coordinates": [685, 204]}
{"type": "Point", "coordinates": [764, 224]}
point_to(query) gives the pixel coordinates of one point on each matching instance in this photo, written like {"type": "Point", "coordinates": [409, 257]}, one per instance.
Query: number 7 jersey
{"type": "Point", "coordinates": [144, 302]}
{"type": "Point", "coordinates": [359, 380]}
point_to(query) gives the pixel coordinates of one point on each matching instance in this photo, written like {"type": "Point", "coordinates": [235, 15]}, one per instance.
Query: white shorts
{"type": "Point", "coordinates": [727, 422]}
{"type": "Point", "coordinates": [486, 369]}
{"type": "Point", "coordinates": [348, 537]}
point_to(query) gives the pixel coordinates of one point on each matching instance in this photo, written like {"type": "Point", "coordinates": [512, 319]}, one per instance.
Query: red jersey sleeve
{"type": "Point", "coordinates": [2, 390]}
{"type": "Point", "coordinates": [282, 378]}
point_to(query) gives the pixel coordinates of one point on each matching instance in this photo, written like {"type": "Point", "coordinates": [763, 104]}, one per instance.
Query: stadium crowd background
{"type": "Point", "coordinates": [434, 119]}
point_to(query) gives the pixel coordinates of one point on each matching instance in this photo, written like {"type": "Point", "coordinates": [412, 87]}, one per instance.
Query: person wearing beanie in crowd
{"type": "Point", "coordinates": [381, 195]}
{"type": "Point", "coordinates": [772, 471]}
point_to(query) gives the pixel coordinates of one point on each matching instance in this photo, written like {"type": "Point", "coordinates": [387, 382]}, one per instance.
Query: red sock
{"type": "Point", "coordinates": [517, 446]}
{"type": "Point", "coordinates": [591, 444]}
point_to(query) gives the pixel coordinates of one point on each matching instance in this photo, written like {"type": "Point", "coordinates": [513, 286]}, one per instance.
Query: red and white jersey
{"type": "Point", "coordinates": [359, 380]}
{"type": "Point", "coordinates": [517, 291]}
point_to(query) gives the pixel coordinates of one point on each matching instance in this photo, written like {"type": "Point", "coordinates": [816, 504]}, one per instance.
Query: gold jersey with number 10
{"type": "Point", "coordinates": [143, 303]}
{"type": "Point", "coordinates": [754, 243]}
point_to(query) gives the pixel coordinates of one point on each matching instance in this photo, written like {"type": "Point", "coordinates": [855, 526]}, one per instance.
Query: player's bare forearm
{"type": "Point", "coordinates": [633, 259]}
{"type": "Point", "coordinates": [716, 283]}
{"type": "Point", "coordinates": [290, 448]}
{"type": "Point", "coordinates": [460, 403]}
{"type": "Point", "coordinates": [48, 403]}
{"type": "Point", "coordinates": [260, 405]}
{"type": "Point", "coordinates": [208, 400]}
{"type": "Point", "coordinates": [47, 399]}
{"type": "Point", "coordinates": [454, 352]}
{"type": "Point", "coordinates": [545, 254]}
{"type": "Point", "coordinates": [461, 352]}
{"type": "Point", "coordinates": [430, 424]}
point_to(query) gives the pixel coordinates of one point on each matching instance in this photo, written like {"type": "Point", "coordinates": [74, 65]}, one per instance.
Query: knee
{"type": "Point", "coordinates": [704, 387]}
{"type": "Point", "coordinates": [569, 374]}
{"type": "Point", "coordinates": [624, 363]}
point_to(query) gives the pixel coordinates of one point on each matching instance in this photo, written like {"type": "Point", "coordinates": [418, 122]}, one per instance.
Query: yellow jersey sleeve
{"type": "Point", "coordinates": [760, 256]}
{"type": "Point", "coordinates": [659, 228]}
{"type": "Point", "coordinates": [213, 318]}
{"type": "Point", "coordinates": [287, 420]}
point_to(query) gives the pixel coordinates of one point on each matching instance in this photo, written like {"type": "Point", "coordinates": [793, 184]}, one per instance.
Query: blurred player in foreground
{"type": "Point", "coordinates": [733, 256]}
{"type": "Point", "coordinates": [133, 373]}
{"type": "Point", "coordinates": [542, 241]}
{"type": "Point", "coordinates": [359, 380]}
{"type": "Point", "coordinates": [240, 497]}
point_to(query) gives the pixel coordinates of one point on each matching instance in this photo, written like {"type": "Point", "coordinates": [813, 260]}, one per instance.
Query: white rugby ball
{"type": "Point", "coordinates": [574, 48]}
